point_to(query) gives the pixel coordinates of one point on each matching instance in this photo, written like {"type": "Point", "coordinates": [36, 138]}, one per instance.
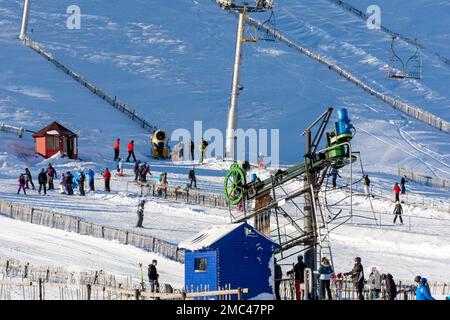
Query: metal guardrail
{"type": "Point", "coordinates": [424, 179]}
{"type": "Point", "coordinates": [113, 101]}
{"type": "Point", "coordinates": [71, 224]}
{"type": "Point", "coordinates": [14, 130]}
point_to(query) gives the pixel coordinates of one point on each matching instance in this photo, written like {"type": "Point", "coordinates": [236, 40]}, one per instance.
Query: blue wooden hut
{"type": "Point", "coordinates": [232, 255]}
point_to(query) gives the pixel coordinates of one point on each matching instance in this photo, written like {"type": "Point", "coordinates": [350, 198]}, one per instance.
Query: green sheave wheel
{"type": "Point", "coordinates": [234, 185]}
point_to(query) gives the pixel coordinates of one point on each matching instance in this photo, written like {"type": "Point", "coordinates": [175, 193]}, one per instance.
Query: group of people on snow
{"type": "Point", "coordinates": [68, 182]}
{"type": "Point", "coordinates": [373, 285]}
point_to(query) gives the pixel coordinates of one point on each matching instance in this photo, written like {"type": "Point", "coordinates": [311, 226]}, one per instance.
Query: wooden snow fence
{"type": "Point", "coordinates": [77, 225]}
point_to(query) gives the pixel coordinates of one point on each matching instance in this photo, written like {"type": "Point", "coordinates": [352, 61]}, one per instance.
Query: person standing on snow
{"type": "Point", "coordinates": [91, 178]}
{"type": "Point", "coordinates": [22, 182]}
{"type": "Point", "coordinates": [402, 185]}
{"type": "Point", "coordinates": [81, 184]}
{"type": "Point", "coordinates": [120, 167]}
{"type": "Point", "coordinates": [29, 179]}
{"type": "Point", "coordinates": [278, 278]}
{"type": "Point", "coordinates": [325, 272]}
{"type": "Point", "coordinates": [140, 213]}
{"type": "Point", "coordinates": [153, 276]}
{"type": "Point", "coordinates": [423, 290]}
{"type": "Point", "coordinates": [367, 185]}
{"type": "Point", "coordinates": [51, 174]}
{"type": "Point", "coordinates": [136, 170]}
{"type": "Point", "coordinates": [107, 177]}
{"type": "Point", "coordinates": [334, 176]}
{"type": "Point", "coordinates": [131, 151]}
{"type": "Point", "coordinates": [181, 151]}
{"type": "Point", "coordinates": [398, 211]}
{"type": "Point", "coordinates": [69, 183]}
{"type": "Point", "coordinates": [192, 178]}
{"type": "Point", "coordinates": [42, 179]}
{"type": "Point", "coordinates": [192, 147]}
{"type": "Point", "coordinates": [357, 275]}
{"type": "Point", "coordinates": [397, 192]}
{"type": "Point", "coordinates": [374, 284]}
{"type": "Point", "coordinates": [299, 277]}
{"type": "Point", "coordinates": [62, 184]}
{"type": "Point", "coordinates": [391, 287]}
{"type": "Point", "coordinates": [203, 146]}
{"type": "Point", "coordinates": [116, 149]}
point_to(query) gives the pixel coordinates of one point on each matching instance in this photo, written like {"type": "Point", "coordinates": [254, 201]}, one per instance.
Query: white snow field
{"type": "Point", "coordinates": [173, 63]}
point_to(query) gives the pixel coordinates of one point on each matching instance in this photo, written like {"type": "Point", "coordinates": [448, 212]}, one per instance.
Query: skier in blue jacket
{"type": "Point", "coordinates": [91, 175]}
{"type": "Point", "coordinates": [423, 292]}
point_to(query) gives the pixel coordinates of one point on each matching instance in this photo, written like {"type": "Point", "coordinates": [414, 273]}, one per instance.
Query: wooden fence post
{"type": "Point", "coordinates": [183, 295]}
{"type": "Point", "coordinates": [89, 289]}
{"type": "Point", "coordinates": [40, 289]}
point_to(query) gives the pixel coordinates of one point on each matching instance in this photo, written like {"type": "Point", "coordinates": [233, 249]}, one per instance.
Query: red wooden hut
{"type": "Point", "coordinates": [55, 138]}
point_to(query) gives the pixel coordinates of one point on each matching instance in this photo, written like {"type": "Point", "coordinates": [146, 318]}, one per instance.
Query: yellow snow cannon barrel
{"type": "Point", "coordinates": [160, 150]}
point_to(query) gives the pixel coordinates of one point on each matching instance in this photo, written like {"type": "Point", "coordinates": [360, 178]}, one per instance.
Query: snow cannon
{"type": "Point", "coordinates": [342, 133]}
{"type": "Point", "coordinates": [159, 143]}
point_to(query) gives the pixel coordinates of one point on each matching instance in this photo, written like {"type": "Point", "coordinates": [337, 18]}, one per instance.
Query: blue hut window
{"type": "Point", "coordinates": [200, 264]}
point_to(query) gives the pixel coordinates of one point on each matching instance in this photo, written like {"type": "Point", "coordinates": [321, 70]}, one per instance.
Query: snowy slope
{"type": "Point", "coordinates": [43, 246]}
{"type": "Point", "coordinates": [176, 68]}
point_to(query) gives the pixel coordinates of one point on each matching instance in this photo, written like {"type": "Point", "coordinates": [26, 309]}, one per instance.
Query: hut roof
{"type": "Point", "coordinates": [53, 129]}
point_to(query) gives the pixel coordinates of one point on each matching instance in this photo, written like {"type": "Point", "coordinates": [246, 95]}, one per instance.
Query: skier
{"type": "Point", "coordinates": [397, 192]}
{"type": "Point", "coordinates": [357, 275]}
{"type": "Point", "coordinates": [136, 170]}
{"type": "Point", "coordinates": [164, 184]}
{"type": "Point", "coordinates": [91, 175]}
{"type": "Point", "coordinates": [42, 179]}
{"type": "Point", "coordinates": [391, 288]}
{"type": "Point", "coordinates": [116, 149]}
{"type": "Point", "coordinates": [261, 161]}
{"type": "Point", "coordinates": [62, 184]}
{"type": "Point", "coordinates": [107, 177]}
{"type": "Point", "coordinates": [203, 146]}
{"type": "Point", "coordinates": [278, 278]}
{"type": "Point", "coordinates": [192, 178]}
{"type": "Point", "coordinates": [299, 276]}
{"type": "Point", "coordinates": [325, 271]}
{"type": "Point", "coordinates": [153, 276]}
{"type": "Point", "coordinates": [145, 170]}
{"type": "Point", "coordinates": [29, 179]}
{"type": "Point", "coordinates": [334, 176]}
{"type": "Point", "coordinates": [81, 183]}
{"type": "Point", "coordinates": [423, 291]}
{"type": "Point", "coordinates": [192, 147]}
{"type": "Point", "coordinates": [375, 283]}
{"type": "Point", "coordinates": [402, 185]}
{"type": "Point", "coordinates": [69, 183]}
{"type": "Point", "coordinates": [22, 182]}
{"type": "Point", "coordinates": [120, 167]}
{"type": "Point", "coordinates": [51, 173]}
{"type": "Point", "coordinates": [181, 151]}
{"type": "Point", "coordinates": [398, 211]}
{"type": "Point", "coordinates": [131, 151]}
{"type": "Point", "coordinates": [140, 213]}
{"type": "Point", "coordinates": [367, 185]}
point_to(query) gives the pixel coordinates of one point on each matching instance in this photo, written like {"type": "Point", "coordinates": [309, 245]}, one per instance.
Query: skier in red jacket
{"type": "Point", "coordinates": [397, 192]}
{"type": "Point", "coordinates": [131, 151]}
{"type": "Point", "coordinates": [116, 149]}
{"type": "Point", "coordinates": [107, 178]}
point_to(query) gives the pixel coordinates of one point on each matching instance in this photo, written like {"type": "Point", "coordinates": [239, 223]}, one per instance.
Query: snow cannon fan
{"type": "Point", "coordinates": [235, 181]}
{"type": "Point", "coordinates": [342, 134]}
{"type": "Point", "coordinates": [160, 149]}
